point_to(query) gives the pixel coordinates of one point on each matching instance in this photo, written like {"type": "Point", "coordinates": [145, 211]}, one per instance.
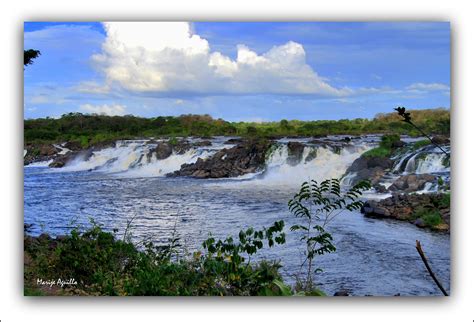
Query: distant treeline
{"type": "Point", "coordinates": [91, 128]}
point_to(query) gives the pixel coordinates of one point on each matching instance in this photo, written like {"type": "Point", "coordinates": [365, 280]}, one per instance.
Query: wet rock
{"type": "Point", "coordinates": [73, 145]}
{"type": "Point", "coordinates": [404, 206]}
{"type": "Point", "coordinates": [295, 153]}
{"type": "Point", "coordinates": [182, 147]}
{"type": "Point", "coordinates": [369, 168]}
{"type": "Point", "coordinates": [202, 143]}
{"type": "Point", "coordinates": [342, 293]}
{"type": "Point", "coordinates": [234, 141]}
{"type": "Point", "coordinates": [247, 157]}
{"type": "Point", "coordinates": [39, 153]}
{"type": "Point", "coordinates": [62, 160]}
{"type": "Point", "coordinates": [412, 182]}
{"type": "Point", "coordinates": [163, 150]}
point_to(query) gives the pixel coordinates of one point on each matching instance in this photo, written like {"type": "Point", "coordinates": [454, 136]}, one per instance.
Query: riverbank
{"type": "Point", "coordinates": [96, 263]}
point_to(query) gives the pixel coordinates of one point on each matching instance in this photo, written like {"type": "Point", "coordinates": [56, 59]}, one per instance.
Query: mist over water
{"type": "Point", "coordinates": [116, 184]}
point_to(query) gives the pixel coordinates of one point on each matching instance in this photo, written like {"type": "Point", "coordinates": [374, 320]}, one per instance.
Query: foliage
{"type": "Point", "coordinates": [430, 217]}
{"type": "Point", "coordinates": [99, 128]}
{"type": "Point", "coordinates": [385, 148]}
{"type": "Point", "coordinates": [105, 265]}
{"type": "Point", "coordinates": [316, 205]}
{"type": "Point", "coordinates": [29, 56]}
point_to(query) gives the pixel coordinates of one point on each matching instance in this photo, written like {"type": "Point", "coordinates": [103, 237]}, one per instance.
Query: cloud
{"type": "Point", "coordinates": [167, 59]}
{"type": "Point", "coordinates": [91, 87]}
{"type": "Point", "coordinates": [428, 87]}
{"type": "Point", "coordinates": [105, 109]}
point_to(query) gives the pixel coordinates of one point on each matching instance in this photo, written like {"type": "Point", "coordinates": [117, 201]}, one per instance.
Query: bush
{"type": "Point", "coordinates": [104, 265]}
{"type": "Point", "coordinates": [430, 217]}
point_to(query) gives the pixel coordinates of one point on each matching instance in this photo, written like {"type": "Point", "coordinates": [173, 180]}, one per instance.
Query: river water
{"type": "Point", "coordinates": [373, 257]}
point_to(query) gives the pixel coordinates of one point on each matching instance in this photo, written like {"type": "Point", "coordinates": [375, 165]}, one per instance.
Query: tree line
{"type": "Point", "coordinates": [93, 128]}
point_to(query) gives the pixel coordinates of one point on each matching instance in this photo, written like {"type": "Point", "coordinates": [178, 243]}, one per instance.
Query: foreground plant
{"type": "Point", "coordinates": [316, 205]}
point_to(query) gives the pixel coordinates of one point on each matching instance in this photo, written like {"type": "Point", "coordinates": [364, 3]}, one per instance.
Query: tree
{"type": "Point", "coordinates": [29, 55]}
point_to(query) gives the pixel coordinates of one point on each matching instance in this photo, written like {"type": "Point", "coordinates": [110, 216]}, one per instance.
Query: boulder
{"type": "Point", "coordinates": [295, 153]}
{"type": "Point", "coordinates": [62, 160]}
{"type": "Point", "coordinates": [202, 143]}
{"type": "Point", "coordinates": [412, 182]}
{"type": "Point", "coordinates": [369, 168]}
{"type": "Point", "coordinates": [234, 141]}
{"type": "Point", "coordinates": [247, 157]}
{"type": "Point", "coordinates": [163, 150]}
{"type": "Point", "coordinates": [73, 145]}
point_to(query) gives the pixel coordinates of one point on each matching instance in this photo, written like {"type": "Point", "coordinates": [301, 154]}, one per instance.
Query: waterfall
{"type": "Point", "coordinates": [135, 159]}
{"type": "Point", "coordinates": [317, 163]}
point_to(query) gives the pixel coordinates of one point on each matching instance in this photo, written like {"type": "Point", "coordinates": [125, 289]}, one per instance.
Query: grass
{"type": "Point", "coordinates": [431, 217]}
{"type": "Point", "coordinates": [419, 144]}
{"type": "Point", "coordinates": [378, 152]}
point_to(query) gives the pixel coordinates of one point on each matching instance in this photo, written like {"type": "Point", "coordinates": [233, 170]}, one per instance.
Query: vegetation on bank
{"type": "Point", "coordinates": [92, 129]}
{"type": "Point", "coordinates": [387, 145]}
{"type": "Point", "coordinates": [101, 264]}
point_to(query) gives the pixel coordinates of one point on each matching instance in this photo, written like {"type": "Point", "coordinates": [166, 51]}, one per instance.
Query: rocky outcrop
{"type": "Point", "coordinates": [163, 150]}
{"type": "Point", "coordinates": [370, 168]}
{"type": "Point", "coordinates": [63, 159]}
{"type": "Point", "coordinates": [39, 153]}
{"type": "Point", "coordinates": [412, 182]}
{"type": "Point", "coordinates": [295, 153]}
{"type": "Point", "coordinates": [202, 143]}
{"type": "Point", "coordinates": [247, 157]}
{"type": "Point", "coordinates": [406, 207]}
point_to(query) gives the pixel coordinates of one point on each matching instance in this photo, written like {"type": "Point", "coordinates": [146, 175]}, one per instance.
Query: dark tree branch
{"type": "Point", "coordinates": [425, 261]}
{"type": "Point", "coordinates": [407, 118]}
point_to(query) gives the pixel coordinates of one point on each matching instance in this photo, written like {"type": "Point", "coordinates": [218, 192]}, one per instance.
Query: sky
{"type": "Point", "coordinates": [238, 71]}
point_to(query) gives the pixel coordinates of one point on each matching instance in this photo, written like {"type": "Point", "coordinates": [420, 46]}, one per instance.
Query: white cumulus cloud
{"type": "Point", "coordinates": [167, 58]}
{"type": "Point", "coordinates": [105, 109]}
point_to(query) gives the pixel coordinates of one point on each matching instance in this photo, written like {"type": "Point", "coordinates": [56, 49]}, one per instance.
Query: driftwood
{"type": "Point", "coordinates": [425, 261]}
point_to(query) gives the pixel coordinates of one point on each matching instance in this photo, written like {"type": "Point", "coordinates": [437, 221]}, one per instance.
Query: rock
{"type": "Point", "coordinates": [419, 222]}
{"type": "Point", "coordinates": [234, 141]}
{"type": "Point", "coordinates": [73, 145]}
{"type": "Point", "coordinates": [342, 293]}
{"type": "Point", "coordinates": [39, 153]}
{"type": "Point", "coordinates": [163, 150]}
{"type": "Point", "coordinates": [202, 143]}
{"type": "Point", "coordinates": [440, 140]}
{"type": "Point", "coordinates": [48, 150]}
{"type": "Point", "coordinates": [247, 157]}
{"type": "Point", "coordinates": [62, 160]}
{"type": "Point", "coordinates": [181, 147]}
{"type": "Point", "coordinates": [379, 188]}
{"type": "Point", "coordinates": [412, 182]}
{"type": "Point", "coordinates": [295, 153]}
{"type": "Point", "coordinates": [403, 206]}
{"type": "Point", "coordinates": [398, 144]}
{"type": "Point", "coordinates": [103, 145]}
{"type": "Point", "coordinates": [370, 168]}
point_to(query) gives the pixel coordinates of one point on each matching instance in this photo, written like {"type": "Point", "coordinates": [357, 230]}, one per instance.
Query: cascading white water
{"type": "Point", "coordinates": [432, 163]}
{"type": "Point", "coordinates": [317, 163]}
{"type": "Point", "coordinates": [135, 159]}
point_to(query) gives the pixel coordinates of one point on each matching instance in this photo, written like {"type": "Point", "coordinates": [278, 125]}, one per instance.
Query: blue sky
{"type": "Point", "coordinates": [237, 71]}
